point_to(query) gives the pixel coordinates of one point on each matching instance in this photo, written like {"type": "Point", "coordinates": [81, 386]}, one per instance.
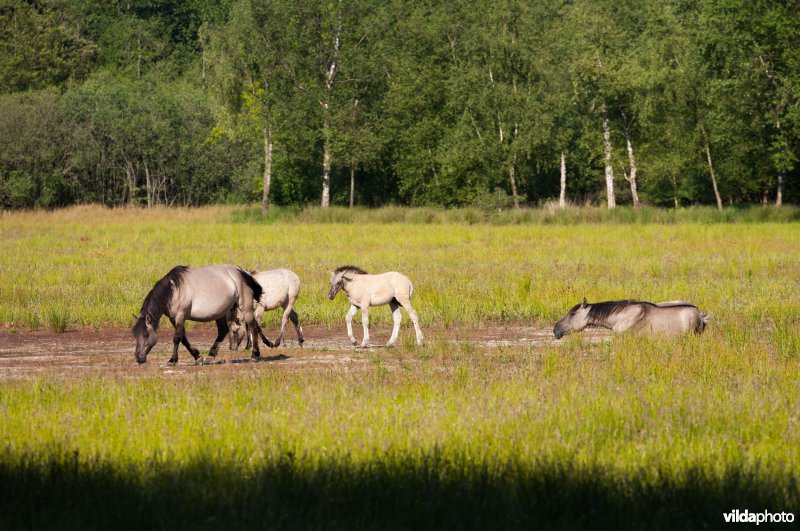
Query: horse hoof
{"type": "Point", "coordinates": [171, 363]}
{"type": "Point", "coordinates": [200, 361]}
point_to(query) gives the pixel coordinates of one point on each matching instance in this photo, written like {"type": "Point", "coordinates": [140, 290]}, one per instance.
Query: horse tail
{"type": "Point", "coordinates": [704, 317]}
{"type": "Point", "coordinates": [252, 283]}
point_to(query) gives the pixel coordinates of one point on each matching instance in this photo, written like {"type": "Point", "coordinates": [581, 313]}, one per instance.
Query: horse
{"type": "Point", "coordinates": [281, 288]}
{"type": "Point", "coordinates": [198, 294]}
{"type": "Point", "coordinates": [673, 317]}
{"type": "Point", "coordinates": [364, 290]}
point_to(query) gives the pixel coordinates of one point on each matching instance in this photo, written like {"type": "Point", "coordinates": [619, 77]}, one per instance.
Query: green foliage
{"type": "Point", "coordinates": [425, 104]}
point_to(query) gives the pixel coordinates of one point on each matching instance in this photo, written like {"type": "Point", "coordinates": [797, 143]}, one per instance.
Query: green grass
{"type": "Point", "coordinates": [99, 264]}
{"type": "Point", "coordinates": [635, 432]}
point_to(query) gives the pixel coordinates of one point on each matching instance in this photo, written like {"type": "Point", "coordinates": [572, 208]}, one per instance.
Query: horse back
{"type": "Point", "coordinates": [675, 318]}
{"type": "Point", "coordinates": [208, 293]}
{"type": "Point", "coordinates": [279, 285]}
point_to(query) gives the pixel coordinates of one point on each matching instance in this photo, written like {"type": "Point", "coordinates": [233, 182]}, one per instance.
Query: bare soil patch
{"type": "Point", "coordinates": [27, 354]}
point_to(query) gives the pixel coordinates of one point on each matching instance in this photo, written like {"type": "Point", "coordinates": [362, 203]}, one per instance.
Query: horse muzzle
{"type": "Point", "coordinates": [558, 332]}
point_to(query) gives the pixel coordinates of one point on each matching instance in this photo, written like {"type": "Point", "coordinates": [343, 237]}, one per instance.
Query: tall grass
{"type": "Point", "coordinates": [635, 432]}
{"type": "Point", "coordinates": [548, 214]}
{"type": "Point", "coordinates": [100, 264]}
{"type": "Point", "coordinates": [639, 432]}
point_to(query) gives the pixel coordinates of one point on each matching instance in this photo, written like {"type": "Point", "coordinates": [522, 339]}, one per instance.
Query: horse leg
{"type": "Point", "coordinates": [255, 332]}
{"type": "Point", "coordinates": [413, 315]}
{"type": "Point", "coordinates": [287, 307]}
{"type": "Point", "coordinates": [395, 307]}
{"type": "Point", "coordinates": [180, 337]}
{"type": "Point", "coordinates": [222, 331]}
{"type": "Point", "coordinates": [349, 320]}
{"type": "Point", "coordinates": [365, 324]}
{"type": "Point", "coordinates": [296, 323]}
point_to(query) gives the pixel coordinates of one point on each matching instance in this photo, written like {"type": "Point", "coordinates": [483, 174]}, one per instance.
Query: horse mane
{"type": "Point", "coordinates": [252, 283]}
{"type": "Point", "coordinates": [603, 310]}
{"type": "Point", "coordinates": [155, 303]}
{"type": "Point", "coordinates": [351, 269]}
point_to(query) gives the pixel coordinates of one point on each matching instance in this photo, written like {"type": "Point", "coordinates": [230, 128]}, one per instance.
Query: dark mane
{"type": "Point", "coordinates": [155, 303]}
{"type": "Point", "coordinates": [351, 269]}
{"type": "Point", "coordinates": [252, 283]}
{"type": "Point", "coordinates": [601, 311]}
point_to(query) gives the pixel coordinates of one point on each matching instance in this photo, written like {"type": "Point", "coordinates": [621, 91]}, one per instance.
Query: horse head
{"type": "Point", "coordinates": [337, 282]}
{"type": "Point", "coordinates": [577, 318]}
{"type": "Point", "coordinates": [146, 334]}
{"type": "Point", "coordinates": [237, 332]}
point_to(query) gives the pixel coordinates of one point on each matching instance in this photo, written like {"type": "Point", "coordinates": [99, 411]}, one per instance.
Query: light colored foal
{"type": "Point", "coordinates": [364, 290]}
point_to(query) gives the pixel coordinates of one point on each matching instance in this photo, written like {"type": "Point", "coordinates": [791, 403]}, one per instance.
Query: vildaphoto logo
{"type": "Point", "coordinates": [764, 517]}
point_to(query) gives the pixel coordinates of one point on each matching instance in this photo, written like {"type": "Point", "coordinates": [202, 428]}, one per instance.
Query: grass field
{"type": "Point", "coordinates": [633, 432]}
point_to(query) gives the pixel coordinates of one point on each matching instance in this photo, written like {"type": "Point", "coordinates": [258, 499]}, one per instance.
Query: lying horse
{"type": "Point", "coordinates": [197, 294]}
{"type": "Point", "coordinates": [364, 290]}
{"type": "Point", "coordinates": [281, 288]}
{"type": "Point", "coordinates": [674, 317]}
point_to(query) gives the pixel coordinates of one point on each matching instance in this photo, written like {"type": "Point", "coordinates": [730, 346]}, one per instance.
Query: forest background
{"type": "Point", "coordinates": [299, 102]}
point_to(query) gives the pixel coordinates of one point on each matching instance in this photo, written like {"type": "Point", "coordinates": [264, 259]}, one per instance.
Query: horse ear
{"type": "Point", "coordinates": [332, 273]}
{"type": "Point", "coordinates": [135, 316]}
{"type": "Point", "coordinates": [584, 303]}
{"type": "Point", "coordinates": [148, 319]}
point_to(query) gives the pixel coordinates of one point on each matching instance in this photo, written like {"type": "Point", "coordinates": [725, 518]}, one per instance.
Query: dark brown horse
{"type": "Point", "coordinates": [196, 294]}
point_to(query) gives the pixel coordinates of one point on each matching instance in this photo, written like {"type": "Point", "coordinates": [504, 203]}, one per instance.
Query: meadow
{"type": "Point", "coordinates": [632, 432]}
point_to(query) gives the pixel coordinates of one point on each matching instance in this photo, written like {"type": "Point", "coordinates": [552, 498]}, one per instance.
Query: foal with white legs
{"type": "Point", "coordinates": [364, 290]}
{"type": "Point", "coordinates": [281, 289]}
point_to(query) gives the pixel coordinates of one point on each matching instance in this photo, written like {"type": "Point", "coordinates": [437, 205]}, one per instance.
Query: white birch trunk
{"type": "Point", "coordinates": [352, 183]}
{"type": "Point", "coordinates": [148, 185]}
{"type": "Point", "coordinates": [631, 161]}
{"type": "Point", "coordinates": [326, 164]}
{"type": "Point", "coordinates": [267, 170]}
{"type": "Point", "coordinates": [711, 169]}
{"type": "Point", "coordinates": [713, 178]}
{"type": "Point", "coordinates": [562, 196]}
{"type": "Point", "coordinates": [330, 76]}
{"type": "Point", "coordinates": [779, 194]}
{"type": "Point", "coordinates": [609, 170]}
{"type": "Point", "coordinates": [512, 178]}
{"type": "Point", "coordinates": [130, 174]}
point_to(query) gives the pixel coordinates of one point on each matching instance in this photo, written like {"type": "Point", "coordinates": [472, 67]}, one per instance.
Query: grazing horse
{"type": "Point", "coordinates": [674, 317]}
{"type": "Point", "coordinates": [281, 288]}
{"type": "Point", "coordinates": [364, 290]}
{"type": "Point", "coordinates": [197, 294]}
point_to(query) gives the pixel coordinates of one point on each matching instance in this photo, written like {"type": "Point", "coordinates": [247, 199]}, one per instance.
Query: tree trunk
{"type": "Point", "coordinates": [675, 190]}
{"type": "Point", "coordinates": [711, 171]}
{"type": "Point", "coordinates": [130, 174]}
{"type": "Point", "coordinates": [326, 164]}
{"type": "Point", "coordinates": [267, 170]}
{"type": "Point", "coordinates": [562, 197]}
{"type": "Point", "coordinates": [330, 76]}
{"type": "Point", "coordinates": [352, 183]}
{"type": "Point", "coordinates": [779, 194]}
{"type": "Point", "coordinates": [148, 185]}
{"type": "Point", "coordinates": [609, 170]}
{"type": "Point", "coordinates": [632, 161]}
{"type": "Point", "coordinates": [513, 180]}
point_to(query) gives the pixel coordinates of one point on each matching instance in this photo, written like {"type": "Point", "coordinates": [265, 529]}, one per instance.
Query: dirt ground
{"type": "Point", "coordinates": [27, 354]}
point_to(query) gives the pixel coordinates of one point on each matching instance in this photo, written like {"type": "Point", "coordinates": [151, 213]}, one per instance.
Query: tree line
{"type": "Point", "coordinates": [447, 103]}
